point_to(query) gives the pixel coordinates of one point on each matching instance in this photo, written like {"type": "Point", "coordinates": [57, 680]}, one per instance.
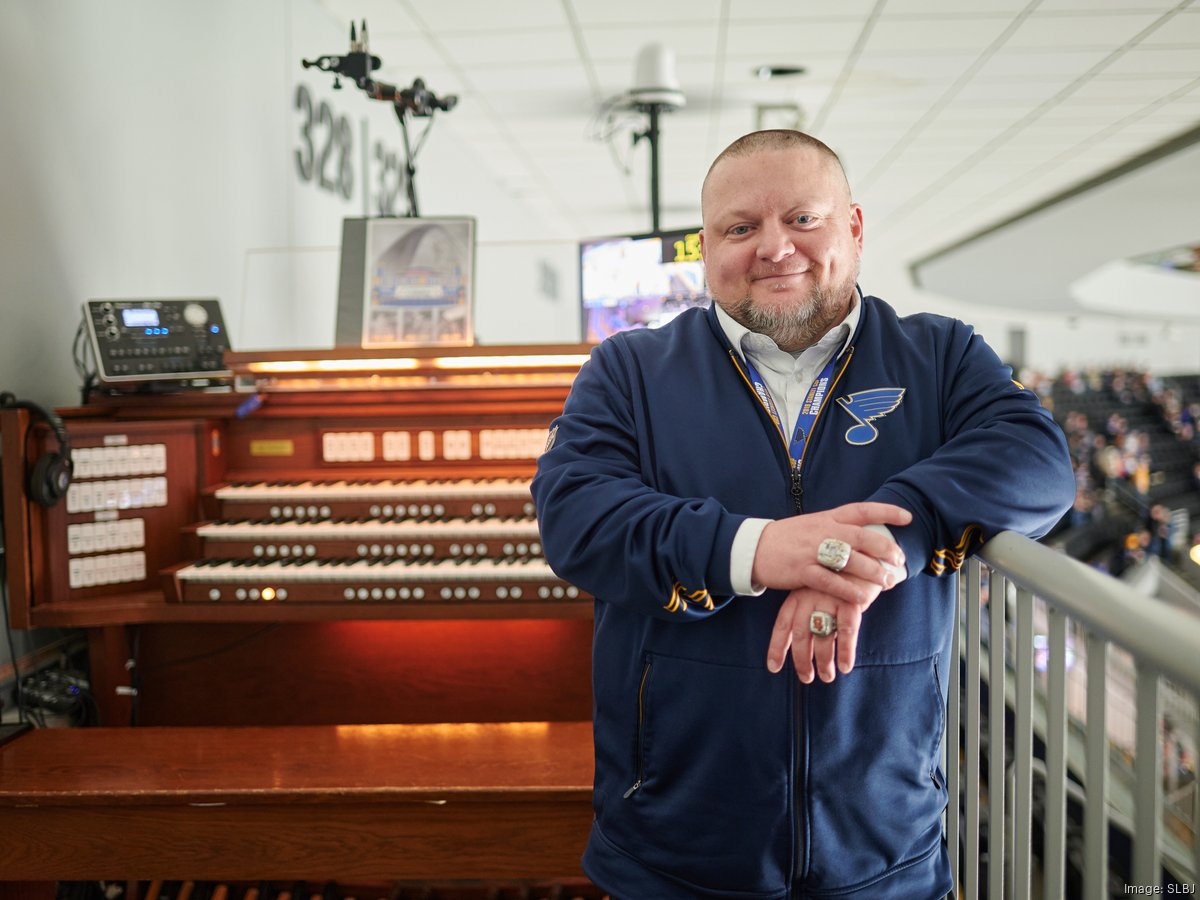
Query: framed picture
{"type": "Point", "coordinates": [406, 282]}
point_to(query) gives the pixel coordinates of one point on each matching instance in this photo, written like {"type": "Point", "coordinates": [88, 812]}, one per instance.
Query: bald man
{"type": "Point", "coordinates": [765, 498]}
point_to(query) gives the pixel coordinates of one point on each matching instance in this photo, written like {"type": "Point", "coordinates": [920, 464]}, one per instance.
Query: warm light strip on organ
{"type": "Point", "coordinates": [391, 364]}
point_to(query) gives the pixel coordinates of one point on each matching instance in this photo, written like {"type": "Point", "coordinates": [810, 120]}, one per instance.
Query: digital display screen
{"type": "Point", "coordinates": [639, 281]}
{"type": "Point", "coordinates": [139, 318]}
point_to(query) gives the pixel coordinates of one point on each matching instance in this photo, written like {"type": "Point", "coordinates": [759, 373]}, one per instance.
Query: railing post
{"type": "Point", "coordinates": [1054, 831]}
{"type": "Point", "coordinates": [970, 693]}
{"type": "Point", "coordinates": [997, 715]}
{"type": "Point", "coordinates": [1147, 765]}
{"type": "Point", "coordinates": [1022, 804]}
{"type": "Point", "coordinates": [950, 740]}
{"type": "Point", "coordinates": [1095, 816]}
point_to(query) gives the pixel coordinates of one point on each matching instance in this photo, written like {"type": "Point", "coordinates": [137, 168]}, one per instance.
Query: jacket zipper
{"type": "Point", "coordinates": [799, 868]}
{"type": "Point", "coordinates": [641, 731]}
{"type": "Point", "coordinates": [798, 858]}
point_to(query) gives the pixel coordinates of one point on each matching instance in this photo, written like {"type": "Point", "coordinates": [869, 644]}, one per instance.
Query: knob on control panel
{"type": "Point", "coordinates": [195, 314]}
{"type": "Point", "coordinates": [138, 341]}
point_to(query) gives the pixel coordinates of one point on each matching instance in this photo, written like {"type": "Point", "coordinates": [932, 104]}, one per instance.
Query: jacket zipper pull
{"type": "Point", "coordinates": [629, 793]}
{"type": "Point", "coordinates": [797, 491]}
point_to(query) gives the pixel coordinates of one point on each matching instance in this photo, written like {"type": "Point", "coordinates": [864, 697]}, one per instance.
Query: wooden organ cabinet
{"type": "Point", "coordinates": [320, 597]}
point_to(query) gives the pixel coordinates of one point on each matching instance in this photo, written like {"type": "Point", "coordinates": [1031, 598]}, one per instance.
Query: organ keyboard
{"type": "Point", "coordinates": [385, 538]}
{"type": "Point", "coordinates": [376, 579]}
{"type": "Point", "coordinates": [491, 497]}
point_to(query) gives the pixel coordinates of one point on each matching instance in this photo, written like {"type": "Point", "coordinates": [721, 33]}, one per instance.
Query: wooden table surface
{"type": "Point", "coordinates": [363, 801]}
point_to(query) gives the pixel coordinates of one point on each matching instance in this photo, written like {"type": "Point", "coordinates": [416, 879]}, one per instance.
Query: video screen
{"type": "Point", "coordinates": [639, 281]}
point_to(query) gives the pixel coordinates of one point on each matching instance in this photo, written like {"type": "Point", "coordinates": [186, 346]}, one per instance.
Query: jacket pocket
{"type": "Point", "coordinates": [639, 761]}
{"type": "Point", "coordinates": [711, 777]}
{"type": "Point", "coordinates": [874, 786]}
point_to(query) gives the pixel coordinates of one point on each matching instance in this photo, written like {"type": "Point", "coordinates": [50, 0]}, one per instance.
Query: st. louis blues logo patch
{"type": "Point", "coordinates": [865, 407]}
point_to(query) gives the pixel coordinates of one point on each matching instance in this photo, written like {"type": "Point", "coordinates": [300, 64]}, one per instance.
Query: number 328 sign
{"type": "Point", "coordinates": [326, 157]}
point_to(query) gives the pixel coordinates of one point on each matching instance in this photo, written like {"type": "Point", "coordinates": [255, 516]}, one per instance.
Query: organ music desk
{"type": "Point", "coordinates": [321, 597]}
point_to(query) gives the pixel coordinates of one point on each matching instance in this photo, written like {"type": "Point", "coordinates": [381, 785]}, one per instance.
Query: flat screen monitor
{"type": "Point", "coordinates": [639, 281]}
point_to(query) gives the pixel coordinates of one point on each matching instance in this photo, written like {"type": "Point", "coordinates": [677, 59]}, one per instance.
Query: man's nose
{"type": "Point", "coordinates": [774, 243]}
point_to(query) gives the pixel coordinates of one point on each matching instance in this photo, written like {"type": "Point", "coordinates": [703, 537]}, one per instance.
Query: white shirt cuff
{"type": "Point", "coordinates": [741, 557]}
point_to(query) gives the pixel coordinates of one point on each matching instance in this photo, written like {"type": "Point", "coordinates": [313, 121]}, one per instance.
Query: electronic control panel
{"type": "Point", "coordinates": [138, 341]}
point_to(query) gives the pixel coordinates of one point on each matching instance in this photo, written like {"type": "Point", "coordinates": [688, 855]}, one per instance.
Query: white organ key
{"type": "Point", "coordinates": [450, 529]}
{"type": "Point", "coordinates": [364, 571]}
{"type": "Point", "coordinates": [381, 491]}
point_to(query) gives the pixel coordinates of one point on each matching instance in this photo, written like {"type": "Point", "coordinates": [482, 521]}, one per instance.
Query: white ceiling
{"type": "Point", "coordinates": [950, 115]}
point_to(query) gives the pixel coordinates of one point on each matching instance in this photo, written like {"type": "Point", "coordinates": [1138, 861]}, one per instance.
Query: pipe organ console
{"type": "Point", "coordinates": [334, 541]}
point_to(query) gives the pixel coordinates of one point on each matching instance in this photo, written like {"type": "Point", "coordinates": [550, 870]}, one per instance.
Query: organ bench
{"type": "Point", "coordinates": [346, 802]}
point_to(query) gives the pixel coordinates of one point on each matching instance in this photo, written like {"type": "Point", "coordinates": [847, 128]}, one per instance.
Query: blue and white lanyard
{"type": "Point", "coordinates": [809, 410]}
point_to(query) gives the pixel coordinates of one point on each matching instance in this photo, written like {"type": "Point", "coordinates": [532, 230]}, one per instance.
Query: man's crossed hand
{"type": "Point", "coordinates": [787, 558]}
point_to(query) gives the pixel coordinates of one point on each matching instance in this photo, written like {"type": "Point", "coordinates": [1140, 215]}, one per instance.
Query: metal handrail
{"type": "Point", "coordinates": [1164, 644]}
{"type": "Point", "coordinates": [1165, 637]}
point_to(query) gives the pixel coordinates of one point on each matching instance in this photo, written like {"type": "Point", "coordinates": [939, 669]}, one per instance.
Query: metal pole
{"type": "Point", "coordinates": [654, 109]}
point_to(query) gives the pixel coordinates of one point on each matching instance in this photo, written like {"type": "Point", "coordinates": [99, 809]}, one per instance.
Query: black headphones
{"type": "Point", "coordinates": [51, 474]}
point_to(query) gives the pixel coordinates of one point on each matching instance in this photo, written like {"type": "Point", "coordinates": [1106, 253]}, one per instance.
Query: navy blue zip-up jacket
{"type": "Point", "coordinates": [715, 778]}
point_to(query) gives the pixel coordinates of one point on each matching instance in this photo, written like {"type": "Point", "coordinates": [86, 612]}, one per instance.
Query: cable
{"type": "Point", "coordinates": [135, 675]}
{"type": "Point", "coordinates": [216, 651]}
{"type": "Point", "coordinates": [79, 355]}
{"type": "Point", "coordinates": [12, 650]}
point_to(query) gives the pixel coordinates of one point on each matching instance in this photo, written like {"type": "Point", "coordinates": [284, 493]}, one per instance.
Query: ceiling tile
{"type": "Point", "coordinates": [943, 68]}
{"type": "Point", "coordinates": [768, 11]}
{"type": "Point", "coordinates": [1183, 30]}
{"type": "Point", "coordinates": [900, 8]}
{"type": "Point", "coordinates": [629, 12]}
{"type": "Point", "coordinates": [394, 49]}
{"type": "Point", "coordinates": [1146, 61]}
{"type": "Point", "coordinates": [455, 16]}
{"type": "Point", "coordinates": [1128, 89]}
{"type": "Point", "coordinates": [381, 15]}
{"type": "Point", "coordinates": [621, 43]}
{"type": "Point", "coordinates": [531, 78]}
{"type": "Point", "coordinates": [1058, 32]}
{"type": "Point", "coordinates": [1115, 5]}
{"type": "Point", "coordinates": [1017, 63]}
{"type": "Point", "coordinates": [1014, 91]}
{"type": "Point", "coordinates": [786, 40]}
{"type": "Point", "coordinates": [552, 44]}
{"type": "Point", "coordinates": [939, 34]}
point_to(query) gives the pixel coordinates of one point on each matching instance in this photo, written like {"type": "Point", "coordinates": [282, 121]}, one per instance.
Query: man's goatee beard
{"type": "Point", "coordinates": [793, 328]}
